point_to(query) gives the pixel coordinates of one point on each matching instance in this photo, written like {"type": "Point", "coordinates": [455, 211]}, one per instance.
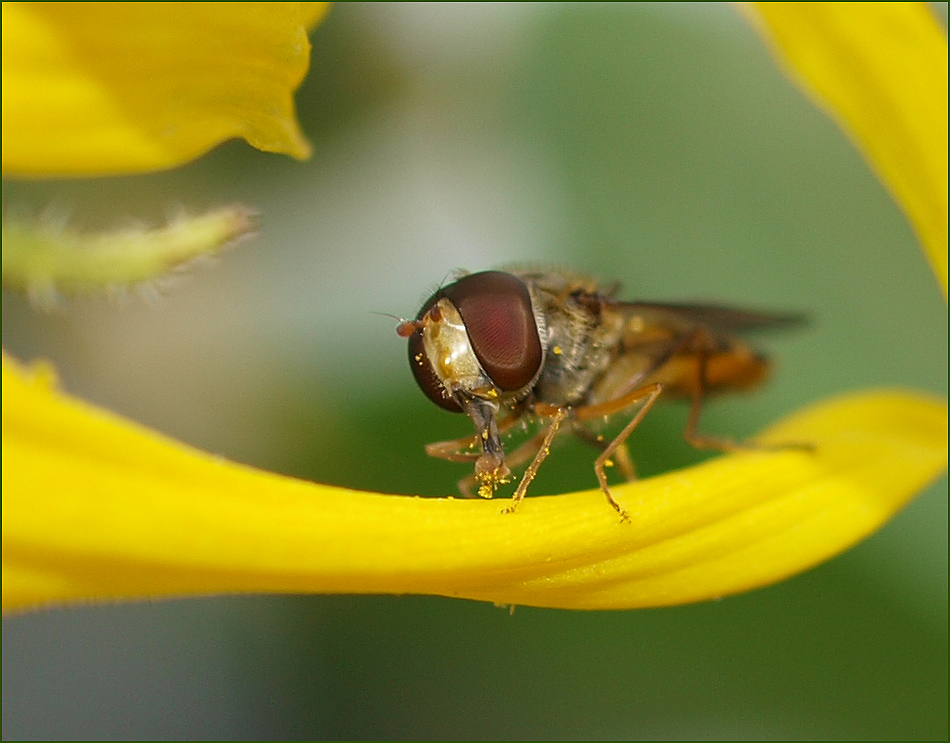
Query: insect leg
{"type": "Point", "coordinates": [690, 433]}
{"type": "Point", "coordinates": [649, 395]}
{"type": "Point", "coordinates": [514, 460]}
{"type": "Point", "coordinates": [455, 450]}
{"type": "Point", "coordinates": [621, 456]}
{"type": "Point", "coordinates": [462, 449]}
{"type": "Point", "coordinates": [703, 346]}
{"type": "Point", "coordinates": [542, 452]}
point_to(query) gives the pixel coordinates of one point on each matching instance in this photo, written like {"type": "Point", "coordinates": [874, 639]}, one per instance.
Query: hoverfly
{"type": "Point", "coordinates": [554, 347]}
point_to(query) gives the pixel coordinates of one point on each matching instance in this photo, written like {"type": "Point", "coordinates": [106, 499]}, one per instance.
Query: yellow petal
{"type": "Point", "coordinates": [880, 69]}
{"type": "Point", "coordinates": [107, 88]}
{"type": "Point", "coordinates": [95, 507]}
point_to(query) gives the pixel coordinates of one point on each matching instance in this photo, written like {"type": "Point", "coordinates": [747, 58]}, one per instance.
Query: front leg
{"type": "Point", "coordinates": [491, 469]}
{"type": "Point", "coordinates": [543, 449]}
{"type": "Point", "coordinates": [466, 449]}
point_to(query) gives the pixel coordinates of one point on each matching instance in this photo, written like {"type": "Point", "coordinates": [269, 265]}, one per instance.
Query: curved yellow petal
{"type": "Point", "coordinates": [108, 88]}
{"type": "Point", "coordinates": [880, 69]}
{"type": "Point", "coordinates": [95, 507]}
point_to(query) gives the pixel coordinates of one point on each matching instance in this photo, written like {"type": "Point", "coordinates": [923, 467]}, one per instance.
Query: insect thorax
{"type": "Point", "coordinates": [580, 343]}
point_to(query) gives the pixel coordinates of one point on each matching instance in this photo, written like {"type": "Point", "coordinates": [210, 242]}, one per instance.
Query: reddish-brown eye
{"type": "Point", "coordinates": [496, 310]}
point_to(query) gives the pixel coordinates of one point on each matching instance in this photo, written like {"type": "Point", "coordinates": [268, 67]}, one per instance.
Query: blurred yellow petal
{"type": "Point", "coordinates": [880, 69]}
{"type": "Point", "coordinates": [95, 507]}
{"type": "Point", "coordinates": [312, 13]}
{"type": "Point", "coordinates": [108, 88]}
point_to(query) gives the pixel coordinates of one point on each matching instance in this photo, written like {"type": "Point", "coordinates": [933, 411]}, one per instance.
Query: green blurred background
{"type": "Point", "coordinates": [654, 144]}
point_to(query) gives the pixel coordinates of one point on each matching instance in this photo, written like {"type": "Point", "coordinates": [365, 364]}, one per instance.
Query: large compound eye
{"type": "Point", "coordinates": [425, 376]}
{"type": "Point", "coordinates": [496, 310]}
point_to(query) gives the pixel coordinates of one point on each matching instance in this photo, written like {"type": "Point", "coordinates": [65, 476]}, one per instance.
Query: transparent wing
{"type": "Point", "coordinates": [682, 318]}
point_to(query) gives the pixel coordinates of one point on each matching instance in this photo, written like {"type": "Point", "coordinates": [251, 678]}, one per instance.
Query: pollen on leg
{"type": "Point", "coordinates": [490, 472]}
